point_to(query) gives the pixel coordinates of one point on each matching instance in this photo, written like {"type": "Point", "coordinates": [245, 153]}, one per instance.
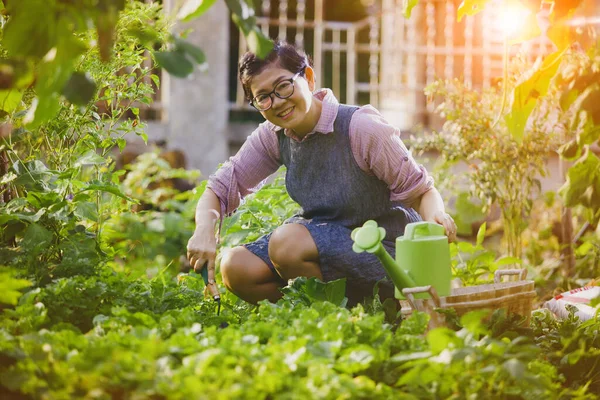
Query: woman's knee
{"type": "Point", "coordinates": [291, 244]}
{"type": "Point", "coordinates": [233, 267]}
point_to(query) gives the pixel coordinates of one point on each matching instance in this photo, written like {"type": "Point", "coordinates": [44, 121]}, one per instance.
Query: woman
{"type": "Point", "coordinates": [345, 165]}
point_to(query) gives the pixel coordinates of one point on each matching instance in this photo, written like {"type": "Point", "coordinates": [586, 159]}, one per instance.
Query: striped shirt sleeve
{"type": "Point", "coordinates": [378, 150]}
{"type": "Point", "coordinates": [246, 172]}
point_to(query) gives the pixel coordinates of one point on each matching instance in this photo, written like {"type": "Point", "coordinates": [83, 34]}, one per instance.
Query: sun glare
{"type": "Point", "coordinates": [512, 18]}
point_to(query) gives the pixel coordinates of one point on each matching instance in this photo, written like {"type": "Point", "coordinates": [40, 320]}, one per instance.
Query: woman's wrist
{"type": "Point", "coordinates": [207, 217]}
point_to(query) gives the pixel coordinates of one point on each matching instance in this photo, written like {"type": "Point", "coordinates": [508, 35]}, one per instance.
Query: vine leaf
{"type": "Point", "coordinates": [527, 93]}
{"type": "Point", "coordinates": [470, 7]}
{"type": "Point", "coordinates": [193, 8]}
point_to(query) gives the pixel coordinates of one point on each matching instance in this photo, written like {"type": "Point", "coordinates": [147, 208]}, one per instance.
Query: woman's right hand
{"type": "Point", "coordinates": [202, 249]}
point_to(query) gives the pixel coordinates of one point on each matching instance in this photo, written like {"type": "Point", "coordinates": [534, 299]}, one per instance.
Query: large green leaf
{"type": "Point", "coordinates": [10, 99]}
{"type": "Point", "coordinates": [36, 239]}
{"type": "Point", "coordinates": [175, 62]}
{"type": "Point", "coordinates": [80, 89]}
{"type": "Point", "coordinates": [87, 210]}
{"type": "Point", "coordinates": [527, 93]}
{"type": "Point", "coordinates": [191, 50]}
{"type": "Point", "coordinates": [31, 31]}
{"type": "Point", "coordinates": [193, 8]}
{"type": "Point", "coordinates": [90, 158]}
{"type": "Point", "coordinates": [583, 174]}
{"type": "Point", "coordinates": [33, 174]}
{"type": "Point", "coordinates": [470, 7]}
{"type": "Point", "coordinates": [53, 75]}
{"type": "Point", "coordinates": [108, 188]}
{"type": "Point", "coordinates": [243, 16]}
{"type": "Point", "coordinates": [560, 31]}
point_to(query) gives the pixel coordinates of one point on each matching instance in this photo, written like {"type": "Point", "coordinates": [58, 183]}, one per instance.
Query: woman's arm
{"type": "Point", "coordinates": [257, 159]}
{"type": "Point", "coordinates": [431, 208]}
{"type": "Point", "coordinates": [378, 149]}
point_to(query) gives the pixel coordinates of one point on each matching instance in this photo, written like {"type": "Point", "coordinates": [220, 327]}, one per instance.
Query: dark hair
{"type": "Point", "coordinates": [283, 54]}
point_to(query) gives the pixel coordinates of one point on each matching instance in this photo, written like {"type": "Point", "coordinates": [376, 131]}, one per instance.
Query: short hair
{"type": "Point", "coordinates": [283, 54]}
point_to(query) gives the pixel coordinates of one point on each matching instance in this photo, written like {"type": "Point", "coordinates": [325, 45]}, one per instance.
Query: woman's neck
{"type": "Point", "coordinates": [311, 120]}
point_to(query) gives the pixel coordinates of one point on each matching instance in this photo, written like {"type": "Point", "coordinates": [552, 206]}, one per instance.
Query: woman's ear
{"type": "Point", "coordinates": [309, 74]}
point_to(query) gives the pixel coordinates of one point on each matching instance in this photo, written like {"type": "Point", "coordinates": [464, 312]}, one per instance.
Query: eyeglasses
{"type": "Point", "coordinates": [283, 90]}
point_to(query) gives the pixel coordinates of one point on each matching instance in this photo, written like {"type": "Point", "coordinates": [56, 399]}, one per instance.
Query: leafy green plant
{"type": "Point", "coordinates": [473, 264]}
{"type": "Point", "coordinates": [61, 170]}
{"type": "Point", "coordinates": [571, 345]}
{"type": "Point", "coordinates": [579, 96]}
{"type": "Point", "coordinates": [50, 63]}
{"type": "Point", "coordinates": [260, 214]}
{"type": "Point", "coordinates": [502, 169]}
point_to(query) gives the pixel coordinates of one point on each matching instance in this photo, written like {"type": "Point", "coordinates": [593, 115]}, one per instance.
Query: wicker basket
{"type": "Point", "coordinates": [516, 297]}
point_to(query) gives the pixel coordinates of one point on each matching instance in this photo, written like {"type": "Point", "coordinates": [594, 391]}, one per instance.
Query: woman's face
{"type": "Point", "coordinates": [297, 112]}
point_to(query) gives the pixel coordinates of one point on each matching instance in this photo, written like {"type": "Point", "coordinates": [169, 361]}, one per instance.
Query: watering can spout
{"type": "Point", "coordinates": [368, 238]}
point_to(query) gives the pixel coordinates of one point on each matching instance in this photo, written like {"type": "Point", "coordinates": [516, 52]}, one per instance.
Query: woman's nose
{"type": "Point", "coordinates": [276, 102]}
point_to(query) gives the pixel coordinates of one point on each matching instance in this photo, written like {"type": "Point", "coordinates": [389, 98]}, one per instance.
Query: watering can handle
{"type": "Point", "coordinates": [410, 292]}
{"type": "Point", "coordinates": [505, 272]}
{"type": "Point", "coordinates": [416, 227]}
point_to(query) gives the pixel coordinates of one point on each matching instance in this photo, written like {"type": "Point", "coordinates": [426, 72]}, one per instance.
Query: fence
{"type": "Point", "coordinates": [387, 60]}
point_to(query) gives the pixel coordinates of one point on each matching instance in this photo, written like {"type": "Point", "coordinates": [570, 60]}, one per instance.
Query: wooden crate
{"type": "Point", "coordinates": [516, 297]}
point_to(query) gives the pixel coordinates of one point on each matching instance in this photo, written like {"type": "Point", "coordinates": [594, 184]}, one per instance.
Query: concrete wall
{"type": "Point", "coordinates": [196, 108]}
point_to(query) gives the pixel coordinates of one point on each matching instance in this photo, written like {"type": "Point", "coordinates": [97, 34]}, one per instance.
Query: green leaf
{"type": "Point", "coordinates": [473, 321]}
{"type": "Point", "coordinates": [121, 143]}
{"type": "Point", "coordinates": [481, 234]}
{"type": "Point", "coordinates": [31, 30]}
{"type": "Point", "coordinates": [90, 158]}
{"type": "Point", "coordinates": [33, 174]}
{"type": "Point", "coordinates": [86, 210]}
{"type": "Point", "coordinates": [258, 43]}
{"type": "Point", "coordinates": [311, 290]}
{"type": "Point", "coordinates": [470, 7]}
{"type": "Point", "coordinates": [108, 188]}
{"type": "Point", "coordinates": [193, 51]}
{"type": "Point", "coordinates": [10, 99]}
{"type": "Point", "coordinates": [355, 359]}
{"type": "Point", "coordinates": [193, 8]}
{"type": "Point", "coordinates": [582, 175]}
{"type": "Point", "coordinates": [240, 8]}
{"type": "Point", "coordinates": [175, 62]}
{"type": "Point", "coordinates": [243, 16]}
{"type": "Point", "coordinates": [9, 288]}
{"type": "Point", "coordinates": [42, 109]}
{"type": "Point", "coordinates": [36, 239]}
{"type": "Point", "coordinates": [80, 89]}
{"type": "Point", "coordinates": [440, 339]}
{"type": "Point", "coordinates": [407, 7]}
{"type": "Point", "coordinates": [527, 93]}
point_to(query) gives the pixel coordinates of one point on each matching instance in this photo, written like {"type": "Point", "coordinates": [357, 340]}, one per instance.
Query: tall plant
{"type": "Point", "coordinates": [62, 169]}
{"type": "Point", "coordinates": [502, 169]}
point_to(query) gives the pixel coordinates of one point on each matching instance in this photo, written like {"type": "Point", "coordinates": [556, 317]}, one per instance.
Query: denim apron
{"type": "Point", "coordinates": [336, 196]}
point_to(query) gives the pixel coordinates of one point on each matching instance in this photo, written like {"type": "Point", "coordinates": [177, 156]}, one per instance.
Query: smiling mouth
{"type": "Point", "coordinates": [286, 113]}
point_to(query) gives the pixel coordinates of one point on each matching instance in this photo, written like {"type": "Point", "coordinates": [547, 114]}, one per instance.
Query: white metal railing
{"type": "Point", "coordinates": [400, 56]}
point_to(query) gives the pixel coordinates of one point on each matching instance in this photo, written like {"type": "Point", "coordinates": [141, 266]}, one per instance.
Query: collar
{"type": "Point", "coordinates": [327, 118]}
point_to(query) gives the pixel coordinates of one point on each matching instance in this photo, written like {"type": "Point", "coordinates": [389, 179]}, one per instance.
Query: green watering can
{"type": "Point", "coordinates": [422, 255]}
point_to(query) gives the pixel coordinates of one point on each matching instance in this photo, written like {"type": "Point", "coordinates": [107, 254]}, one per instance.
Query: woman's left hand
{"type": "Point", "coordinates": [448, 223]}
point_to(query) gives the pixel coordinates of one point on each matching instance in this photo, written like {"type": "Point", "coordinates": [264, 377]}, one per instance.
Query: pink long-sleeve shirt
{"type": "Point", "coordinates": [376, 146]}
